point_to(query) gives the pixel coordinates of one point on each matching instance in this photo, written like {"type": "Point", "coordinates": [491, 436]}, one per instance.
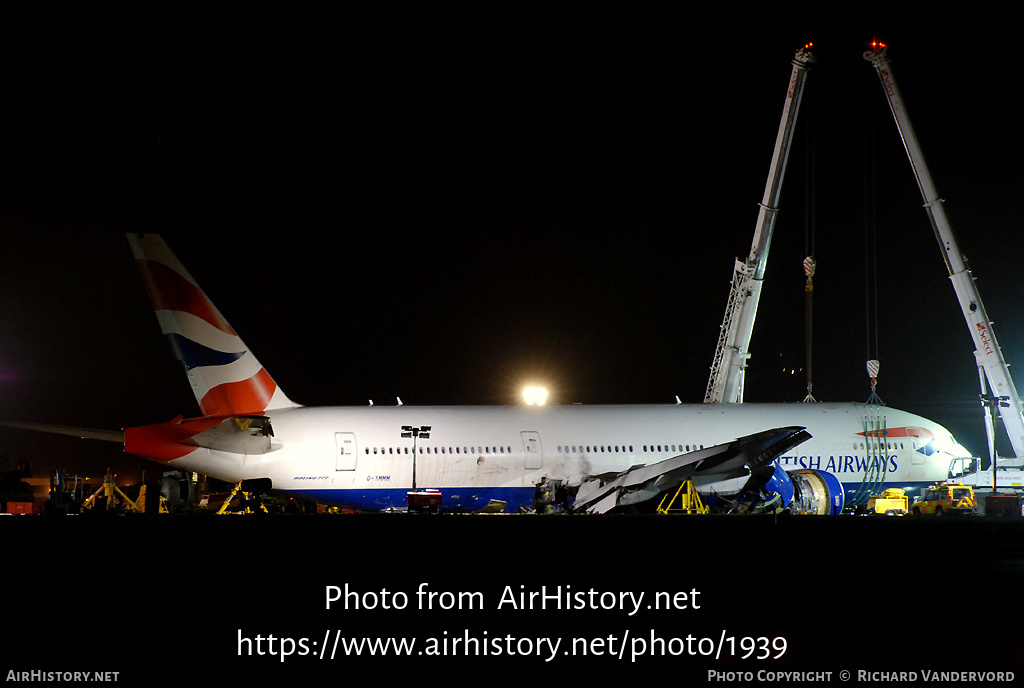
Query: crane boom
{"type": "Point", "coordinates": [987, 352]}
{"type": "Point", "coordinates": [732, 352]}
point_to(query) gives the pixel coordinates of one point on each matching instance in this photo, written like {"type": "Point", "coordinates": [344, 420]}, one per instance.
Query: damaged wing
{"type": "Point", "coordinates": [739, 458]}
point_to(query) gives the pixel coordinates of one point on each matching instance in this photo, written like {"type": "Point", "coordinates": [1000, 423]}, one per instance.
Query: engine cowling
{"type": "Point", "coordinates": [771, 490]}
{"type": "Point", "coordinates": [813, 492]}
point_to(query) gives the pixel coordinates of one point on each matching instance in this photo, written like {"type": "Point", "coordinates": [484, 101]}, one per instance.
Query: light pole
{"type": "Point", "coordinates": [992, 405]}
{"type": "Point", "coordinates": [415, 433]}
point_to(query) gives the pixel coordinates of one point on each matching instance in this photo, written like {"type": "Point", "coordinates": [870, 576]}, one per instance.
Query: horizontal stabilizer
{"type": "Point", "coordinates": [242, 435]}
{"type": "Point", "coordinates": [84, 433]}
{"type": "Point", "coordinates": [738, 458]}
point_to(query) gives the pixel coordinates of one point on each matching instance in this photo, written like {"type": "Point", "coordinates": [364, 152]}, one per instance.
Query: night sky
{"type": "Point", "coordinates": [444, 204]}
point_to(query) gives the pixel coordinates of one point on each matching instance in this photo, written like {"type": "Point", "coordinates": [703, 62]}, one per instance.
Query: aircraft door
{"type": "Point", "coordinates": [345, 451]}
{"type": "Point", "coordinates": [532, 449]}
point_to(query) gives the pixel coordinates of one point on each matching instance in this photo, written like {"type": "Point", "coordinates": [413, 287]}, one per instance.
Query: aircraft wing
{"type": "Point", "coordinates": [741, 457]}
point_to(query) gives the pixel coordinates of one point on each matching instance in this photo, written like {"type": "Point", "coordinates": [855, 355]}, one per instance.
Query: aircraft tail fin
{"type": "Point", "coordinates": [224, 374]}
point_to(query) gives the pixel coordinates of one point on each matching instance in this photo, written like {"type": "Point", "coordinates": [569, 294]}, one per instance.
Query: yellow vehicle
{"type": "Point", "coordinates": [947, 499]}
{"type": "Point", "coordinates": [892, 502]}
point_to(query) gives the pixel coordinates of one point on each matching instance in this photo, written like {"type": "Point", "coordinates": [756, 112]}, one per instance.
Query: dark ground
{"type": "Point", "coordinates": [153, 596]}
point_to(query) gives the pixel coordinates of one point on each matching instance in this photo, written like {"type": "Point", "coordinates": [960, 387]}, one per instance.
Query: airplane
{"type": "Point", "coordinates": [807, 457]}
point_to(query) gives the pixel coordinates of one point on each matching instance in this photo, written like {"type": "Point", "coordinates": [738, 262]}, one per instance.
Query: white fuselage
{"type": "Point", "coordinates": [357, 457]}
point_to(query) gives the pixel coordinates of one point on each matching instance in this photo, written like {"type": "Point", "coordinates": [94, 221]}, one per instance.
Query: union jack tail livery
{"type": "Point", "coordinates": [225, 376]}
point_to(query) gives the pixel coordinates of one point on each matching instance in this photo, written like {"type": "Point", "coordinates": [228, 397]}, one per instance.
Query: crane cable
{"type": "Point", "coordinates": [876, 429]}
{"type": "Point", "coordinates": [809, 244]}
{"type": "Point", "coordinates": [871, 309]}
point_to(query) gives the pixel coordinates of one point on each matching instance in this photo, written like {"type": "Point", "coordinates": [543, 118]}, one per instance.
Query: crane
{"type": "Point", "coordinates": [992, 366]}
{"type": "Point", "coordinates": [732, 352]}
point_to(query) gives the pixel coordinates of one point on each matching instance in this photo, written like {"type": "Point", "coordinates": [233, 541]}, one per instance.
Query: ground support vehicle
{"type": "Point", "coordinates": [892, 502]}
{"type": "Point", "coordinates": [947, 499]}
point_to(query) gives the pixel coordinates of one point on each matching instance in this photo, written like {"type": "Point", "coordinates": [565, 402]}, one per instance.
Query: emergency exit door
{"type": "Point", "coordinates": [346, 454]}
{"type": "Point", "coordinates": [532, 449]}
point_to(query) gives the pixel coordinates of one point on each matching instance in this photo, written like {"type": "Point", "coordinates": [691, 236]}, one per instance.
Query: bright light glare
{"type": "Point", "coordinates": [948, 445]}
{"type": "Point", "coordinates": [535, 396]}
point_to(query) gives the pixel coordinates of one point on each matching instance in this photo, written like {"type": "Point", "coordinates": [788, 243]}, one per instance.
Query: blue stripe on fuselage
{"type": "Point", "coordinates": [452, 498]}
{"type": "Point", "coordinates": [467, 499]}
{"type": "Point", "coordinates": [855, 490]}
